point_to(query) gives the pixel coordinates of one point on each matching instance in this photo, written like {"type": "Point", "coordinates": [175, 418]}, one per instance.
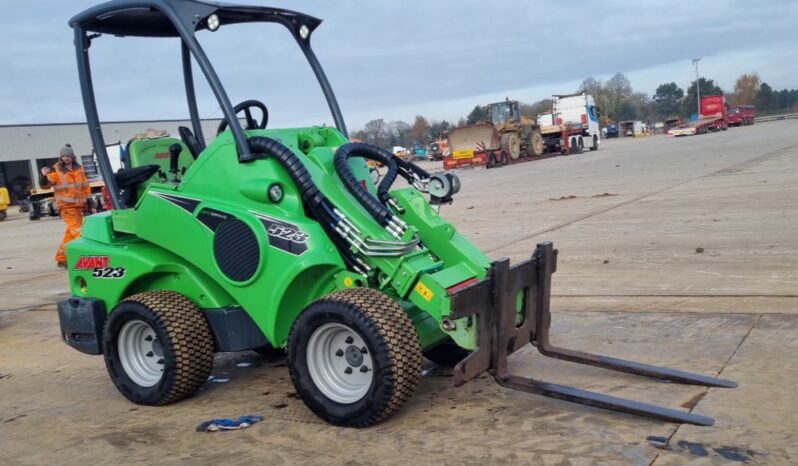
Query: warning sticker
{"type": "Point", "coordinates": [424, 291]}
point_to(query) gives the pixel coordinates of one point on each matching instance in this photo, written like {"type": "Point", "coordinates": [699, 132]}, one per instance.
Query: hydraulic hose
{"type": "Point", "coordinates": [375, 206]}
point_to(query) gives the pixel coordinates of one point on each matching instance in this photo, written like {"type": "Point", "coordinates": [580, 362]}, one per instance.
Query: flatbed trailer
{"type": "Point", "coordinates": [700, 126]}
{"type": "Point", "coordinates": [713, 117]}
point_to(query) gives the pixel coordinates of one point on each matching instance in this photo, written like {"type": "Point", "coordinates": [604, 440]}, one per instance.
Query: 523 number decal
{"type": "Point", "coordinates": [108, 272]}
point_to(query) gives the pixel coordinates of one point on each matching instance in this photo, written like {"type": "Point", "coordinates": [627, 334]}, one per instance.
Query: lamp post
{"type": "Point", "coordinates": [697, 90]}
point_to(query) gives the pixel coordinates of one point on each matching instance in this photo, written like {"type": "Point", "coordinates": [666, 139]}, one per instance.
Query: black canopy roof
{"type": "Point", "coordinates": [156, 18]}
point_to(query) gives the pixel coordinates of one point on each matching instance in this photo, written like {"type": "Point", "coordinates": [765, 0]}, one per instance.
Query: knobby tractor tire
{"type": "Point", "coordinates": [390, 343]}
{"type": "Point", "coordinates": [503, 159]}
{"type": "Point", "coordinates": [511, 144]}
{"type": "Point", "coordinates": [447, 354]}
{"type": "Point", "coordinates": [184, 339]}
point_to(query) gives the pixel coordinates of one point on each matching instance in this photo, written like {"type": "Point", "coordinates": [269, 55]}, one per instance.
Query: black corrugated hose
{"type": "Point", "coordinates": [375, 206]}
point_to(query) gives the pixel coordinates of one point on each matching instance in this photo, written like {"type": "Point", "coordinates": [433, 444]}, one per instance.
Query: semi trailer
{"type": "Point", "coordinates": [713, 117]}
{"type": "Point", "coordinates": [509, 137]}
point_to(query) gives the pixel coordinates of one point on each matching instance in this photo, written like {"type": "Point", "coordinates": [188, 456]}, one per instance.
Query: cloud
{"type": "Point", "coordinates": [386, 59]}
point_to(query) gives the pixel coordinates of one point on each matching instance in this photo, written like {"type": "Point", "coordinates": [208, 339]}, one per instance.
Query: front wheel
{"type": "Point", "coordinates": [158, 347]}
{"type": "Point", "coordinates": [354, 357]}
{"type": "Point", "coordinates": [594, 147]}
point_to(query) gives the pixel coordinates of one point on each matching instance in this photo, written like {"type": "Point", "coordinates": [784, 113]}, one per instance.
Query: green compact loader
{"type": "Point", "coordinates": [281, 238]}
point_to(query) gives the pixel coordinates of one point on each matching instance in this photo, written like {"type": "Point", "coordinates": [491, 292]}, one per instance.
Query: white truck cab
{"type": "Point", "coordinates": [579, 110]}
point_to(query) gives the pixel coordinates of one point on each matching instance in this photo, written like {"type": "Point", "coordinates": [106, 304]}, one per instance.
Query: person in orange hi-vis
{"type": "Point", "coordinates": [70, 188]}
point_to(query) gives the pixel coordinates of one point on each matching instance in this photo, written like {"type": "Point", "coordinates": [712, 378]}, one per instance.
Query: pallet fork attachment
{"type": "Point", "coordinates": [503, 328]}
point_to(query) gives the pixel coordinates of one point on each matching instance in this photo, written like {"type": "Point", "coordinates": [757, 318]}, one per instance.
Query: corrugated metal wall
{"type": "Point", "coordinates": [30, 142]}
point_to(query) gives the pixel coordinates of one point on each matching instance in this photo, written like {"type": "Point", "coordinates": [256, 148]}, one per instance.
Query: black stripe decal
{"type": "Point", "coordinates": [188, 203]}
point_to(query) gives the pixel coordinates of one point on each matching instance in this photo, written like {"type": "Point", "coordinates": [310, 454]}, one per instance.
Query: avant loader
{"type": "Point", "coordinates": [279, 238]}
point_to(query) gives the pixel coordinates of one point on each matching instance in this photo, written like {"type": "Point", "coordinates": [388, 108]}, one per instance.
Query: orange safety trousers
{"type": "Point", "coordinates": [73, 216]}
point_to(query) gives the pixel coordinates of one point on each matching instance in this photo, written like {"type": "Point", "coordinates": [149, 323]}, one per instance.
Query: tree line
{"type": "Point", "coordinates": [616, 99]}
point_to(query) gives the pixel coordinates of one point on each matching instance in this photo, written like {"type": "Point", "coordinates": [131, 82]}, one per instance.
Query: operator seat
{"type": "Point", "coordinates": [128, 179]}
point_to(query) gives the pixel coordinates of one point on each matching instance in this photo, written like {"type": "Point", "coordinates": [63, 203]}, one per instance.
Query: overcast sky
{"type": "Point", "coordinates": [396, 59]}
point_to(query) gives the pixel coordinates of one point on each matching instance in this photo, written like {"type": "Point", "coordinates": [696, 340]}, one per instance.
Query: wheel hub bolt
{"type": "Point", "coordinates": [149, 354]}
{"type": "Point", "coordinates": [339, 353]}
{"type": "Point", "coordinates": [349, 340]}
{"type": "Point", "coordinates": [354, 357]}
{"type": "Point", "coordinates": [348, 370]}
{"type": "Point", "coordinates": [364, 369]}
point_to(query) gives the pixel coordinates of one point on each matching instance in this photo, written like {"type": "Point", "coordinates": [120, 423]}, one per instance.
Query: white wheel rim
{"type": "Point", "coordinates": [339, 363]}
{"type": "Point", "coordinates": [141, 353]}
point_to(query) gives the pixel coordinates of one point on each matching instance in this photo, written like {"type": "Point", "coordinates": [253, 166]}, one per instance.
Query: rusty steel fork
{"type": "Point", "coordinates": [503, 328]}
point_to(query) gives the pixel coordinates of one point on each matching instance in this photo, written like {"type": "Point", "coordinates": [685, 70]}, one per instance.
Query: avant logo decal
{"type": "Point", "coordinates": [283, 235]}
{"type": "Point", "coordinates": [99, 266]}
{"type": "Point", "coordinates": [90, 262]}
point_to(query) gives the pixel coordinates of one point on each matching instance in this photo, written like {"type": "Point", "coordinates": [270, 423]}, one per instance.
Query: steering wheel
{"type": "Point", "coordinates": [252, 123]}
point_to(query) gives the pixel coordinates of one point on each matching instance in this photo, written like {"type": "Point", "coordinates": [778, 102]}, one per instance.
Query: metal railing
{"type": "Point", "coordinates": [763, 119]}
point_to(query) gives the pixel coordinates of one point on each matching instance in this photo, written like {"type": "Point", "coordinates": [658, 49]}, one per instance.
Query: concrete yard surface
{"type": "Point", "coordinates": [676, 252]}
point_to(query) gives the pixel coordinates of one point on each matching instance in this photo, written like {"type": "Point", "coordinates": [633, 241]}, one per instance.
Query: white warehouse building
{"type": "Point", "coordinates": [25, 149]}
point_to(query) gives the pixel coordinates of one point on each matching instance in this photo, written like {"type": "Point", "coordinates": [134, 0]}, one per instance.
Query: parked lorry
{"type": "Point", "coordinates": [509, 137]}
{"type": "Point", "coordinates": [713, 117]}
{"type": "Point", "coordinates": [741, 115]}
{"type": "Point", "coordinates": [579, 111]}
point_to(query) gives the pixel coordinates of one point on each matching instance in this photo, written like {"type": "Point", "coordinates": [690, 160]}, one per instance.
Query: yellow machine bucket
{"type": "Point", "coordinates": [464, 141]}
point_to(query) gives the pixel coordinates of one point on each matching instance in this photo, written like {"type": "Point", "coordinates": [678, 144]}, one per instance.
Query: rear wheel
{"type": "Point", "coordinates": [158, 347]}
{"type": "Point", "coordinates": [511, 144]}
{"type": "Point", "coordinates": [580, 144]}
{"type": "Point", "coordinates": [504, 159]}
{"type": "Point", "coordinates": [354, 357]}
{"type": "Point", "coordinates": [573, 147]}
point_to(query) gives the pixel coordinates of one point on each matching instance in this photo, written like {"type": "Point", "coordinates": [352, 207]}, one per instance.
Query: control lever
{"type": "Point", "coordinates": [174, 156]}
